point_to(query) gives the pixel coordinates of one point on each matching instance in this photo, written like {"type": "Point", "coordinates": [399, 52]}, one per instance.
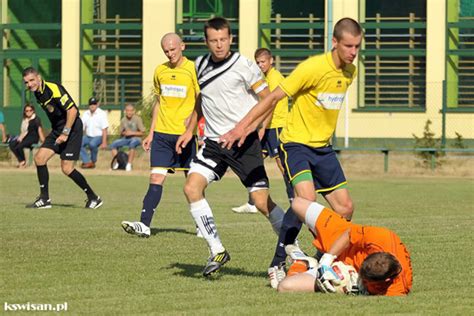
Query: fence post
{"type": "Point", "coordinates": [122, 97]}
{"type": "Point", "coordinates": [385, 160]}
{"type": "Point", "coordinates": [443, 115]}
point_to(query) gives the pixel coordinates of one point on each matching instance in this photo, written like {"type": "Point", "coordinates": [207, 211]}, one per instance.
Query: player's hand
{"type": "Point", "coordinates": [229, 138]}
{"type": "Point", "coordinates": [103, 146]}
{"type": "Point", "coordinates": [326, 279]}
{"type": "Point", "coordinates": [146, 144]}
{"type": "Point", "coordinates": [61, 139]}
{"type": "Point", "coordinates": [183, 141]}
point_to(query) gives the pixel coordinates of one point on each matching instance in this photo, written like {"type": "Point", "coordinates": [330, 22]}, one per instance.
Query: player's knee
{"type": "Point", "coordinates": [299, 206]}
{"type": "Point", "coordinates": [346, 209]}
{"type": "Point", "coordinates": [285, 286]}
{"type": "Point", "coordinates": [67, 169]}
{"type": "Point", "coordinates": [39, 160]}
{"type": "Point", "coordinates": [191, 191]}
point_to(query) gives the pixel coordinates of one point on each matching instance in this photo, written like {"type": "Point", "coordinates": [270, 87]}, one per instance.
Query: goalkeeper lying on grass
{"type": "Point", "coordinates": [377, 254]}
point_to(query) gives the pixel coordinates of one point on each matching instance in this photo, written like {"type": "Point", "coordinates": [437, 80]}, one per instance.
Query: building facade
{"type": "Point", "coordinates": [416, 63]}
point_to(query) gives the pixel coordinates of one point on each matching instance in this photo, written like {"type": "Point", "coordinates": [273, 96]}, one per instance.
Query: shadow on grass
{"type": "Point", "coordinates": [195, 271]}
{"type": "Point", "coordinates": [54, 206]}
{"type": "Point", "coordinates": [156, 231]}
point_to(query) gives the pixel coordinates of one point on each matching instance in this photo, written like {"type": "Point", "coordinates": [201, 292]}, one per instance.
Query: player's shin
{"type": "Point", "coordinates": [290, 229]}
{"type": "Point", "coordinates": [276, 218]}
{"type": "Point", "coordinates": [204, 219]}
{"type": "Point", "coordinates": [150, 202]}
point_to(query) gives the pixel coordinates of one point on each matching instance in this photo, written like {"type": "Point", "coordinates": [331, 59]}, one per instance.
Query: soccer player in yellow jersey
{"type": "Point", "coordinates": [271, 133]}
{"type": "Point", "coordinates": [176, 88]}
{"type": "Point", "coordinates": [318, 86]}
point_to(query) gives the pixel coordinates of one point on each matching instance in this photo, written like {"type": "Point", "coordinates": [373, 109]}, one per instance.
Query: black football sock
{"type": "Point", "coordinates": [43, 179]}
{"type": "Point", "coordinates": [290, 228]}
{"type": "Point", "coordinates": [150, 202]}
{"type": "Point", "coordinates": [79, 179]}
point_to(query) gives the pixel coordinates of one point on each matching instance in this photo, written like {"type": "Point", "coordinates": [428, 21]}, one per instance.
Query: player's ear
{"type": "Point", "coordinates": [183, 46]}
{"type": "Point", "coordinates": [231, 38]}
{"type": "Point", "coordinates": [334, 42]}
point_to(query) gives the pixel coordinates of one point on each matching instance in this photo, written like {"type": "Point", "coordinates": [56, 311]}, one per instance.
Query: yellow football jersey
{"type": "Point", "coordinates": [318, 89]}
{"type": "Point", "coordinates": [177, 89]}
{"type": "Point", "coordinates": [280, 114]}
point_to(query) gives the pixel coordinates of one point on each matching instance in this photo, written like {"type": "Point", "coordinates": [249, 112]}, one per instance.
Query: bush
{"type": "Point", "coordinates": [428, 140]}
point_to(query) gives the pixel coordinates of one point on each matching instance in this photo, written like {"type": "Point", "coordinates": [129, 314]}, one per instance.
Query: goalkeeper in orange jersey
{"type": "Point", "coordinates": [382, 260]}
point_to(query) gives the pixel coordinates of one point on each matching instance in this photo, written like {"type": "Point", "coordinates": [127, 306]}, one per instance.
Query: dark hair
{"type": "Point", "coordinates": [380, 266]}
{"type": "Point", "coordinates": [263, 51]}
{"type": "Point", "coordinates": [28, 105]}
{"type": "Point", "coordinates": [217, 23]}
{"type": "Point", "coordinates": [29, 70]}
{"type": "Point", "coordinates": [347, 25]}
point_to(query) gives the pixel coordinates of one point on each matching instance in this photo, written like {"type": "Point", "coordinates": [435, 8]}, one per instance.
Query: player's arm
{"type": "Point", "coordinates": [71, 115]}
{"type": "Point", "coordinates": [253, 119]}
{"type": "Point", "coordinates": [146, 144]}
{"type": "Point", "coordinates": [104, 138]}
{"type": "Point", "coordinates": [266, 121]}
{"type": "Point", "coordinates": [41, 134]}
{"type": "Point", "coordinates": [191, 124]}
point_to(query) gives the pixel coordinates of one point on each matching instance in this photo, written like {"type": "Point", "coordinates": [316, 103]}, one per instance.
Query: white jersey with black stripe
{"type": "Point", "coordinates": [228, 90]}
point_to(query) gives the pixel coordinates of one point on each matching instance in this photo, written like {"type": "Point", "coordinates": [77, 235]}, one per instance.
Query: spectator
{"type": "Point", "coordinates": [95, 133]}
{"type": "Point", "coordinates": [131, 129]}
{"type": "Point", "coordinates": [2, 127]}
{"type": "Point", "coordinates": [31, 133]}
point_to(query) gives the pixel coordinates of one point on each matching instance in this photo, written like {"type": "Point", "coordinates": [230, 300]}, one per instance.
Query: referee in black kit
{"type": "Point", "coordinates": [65, 138]}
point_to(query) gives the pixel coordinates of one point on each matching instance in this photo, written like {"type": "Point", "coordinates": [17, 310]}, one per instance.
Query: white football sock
{"type": "Point", "coordinates": [276, 218]}
{"type": "Point", "coordinates": [202, 215]}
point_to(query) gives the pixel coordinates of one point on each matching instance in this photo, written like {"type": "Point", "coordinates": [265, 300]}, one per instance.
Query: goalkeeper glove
{"type": "Point", "coordinates": [327, 277]}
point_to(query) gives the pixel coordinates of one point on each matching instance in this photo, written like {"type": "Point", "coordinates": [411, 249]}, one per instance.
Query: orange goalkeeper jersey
{"type": "Point", "coordinates": [365, 240]}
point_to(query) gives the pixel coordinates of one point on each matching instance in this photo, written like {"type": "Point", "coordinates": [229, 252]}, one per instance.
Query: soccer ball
{"type": "Point", "coordinates": [348, 276]}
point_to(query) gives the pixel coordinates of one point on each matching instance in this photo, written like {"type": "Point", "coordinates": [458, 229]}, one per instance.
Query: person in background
{"type": "Point", "coordinates": [95, 133]}
{"type": "Point", "coordinates": [2, 127]}
{"type": "Point", "coordinates": [131, 130]}
{"type": "Point", "coordinates": [31, 132]}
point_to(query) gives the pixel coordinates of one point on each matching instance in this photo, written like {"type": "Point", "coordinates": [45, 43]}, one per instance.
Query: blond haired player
{"type": "Point", "coordinates": [317, 86]}
{"type": "Point", "coordinates": [176, 88]}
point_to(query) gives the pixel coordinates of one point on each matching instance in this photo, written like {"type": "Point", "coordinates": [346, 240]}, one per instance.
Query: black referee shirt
{"type": "Point", "coordinates": [55, 101]}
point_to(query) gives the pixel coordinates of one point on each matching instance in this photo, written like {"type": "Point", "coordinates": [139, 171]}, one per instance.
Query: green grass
{"type": "Point", "coordinates": [70, 254]}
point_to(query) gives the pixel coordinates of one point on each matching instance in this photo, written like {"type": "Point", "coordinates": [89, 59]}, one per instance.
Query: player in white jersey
{"type": "Point", "coordinates": [230, 86]}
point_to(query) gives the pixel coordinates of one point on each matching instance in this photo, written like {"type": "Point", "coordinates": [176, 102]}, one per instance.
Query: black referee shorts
{"type": "Point", "coordinates": [71, 148]}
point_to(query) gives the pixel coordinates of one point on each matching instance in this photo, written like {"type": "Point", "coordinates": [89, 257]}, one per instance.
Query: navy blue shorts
{"type": "Point", "coordinates": [320, 163]}
{"type": "Point", "coordinates": [271, 142]}
{"type": "Point", "coordinates": [164, 155]}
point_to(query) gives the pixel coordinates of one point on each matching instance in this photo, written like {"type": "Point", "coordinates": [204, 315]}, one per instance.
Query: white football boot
{"type": "Point", "coordinates": [246, 208]}
{"type": "Point", "coordinates": [136, 228]}
{"type": "Point", "coordinates": [276, 275]}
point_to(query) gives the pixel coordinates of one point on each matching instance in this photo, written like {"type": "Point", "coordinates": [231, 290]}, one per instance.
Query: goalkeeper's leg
{"type": "Point", "coordinates": [302, 282]}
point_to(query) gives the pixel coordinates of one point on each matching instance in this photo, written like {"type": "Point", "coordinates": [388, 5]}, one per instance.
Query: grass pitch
{"type": "Point", "coordinates": [83, 257]}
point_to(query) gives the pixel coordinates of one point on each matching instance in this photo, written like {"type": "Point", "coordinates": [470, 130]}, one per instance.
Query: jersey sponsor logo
{"type": "Point", "coordinates": [170, 90]}
{"type": "Point", "coordinates": [64, 99]}
{"type": "Point", "coordinates": [330, 101]}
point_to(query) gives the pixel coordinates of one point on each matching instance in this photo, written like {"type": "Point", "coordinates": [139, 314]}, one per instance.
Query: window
{"type": "Point", "coordinates": [392, 69]}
